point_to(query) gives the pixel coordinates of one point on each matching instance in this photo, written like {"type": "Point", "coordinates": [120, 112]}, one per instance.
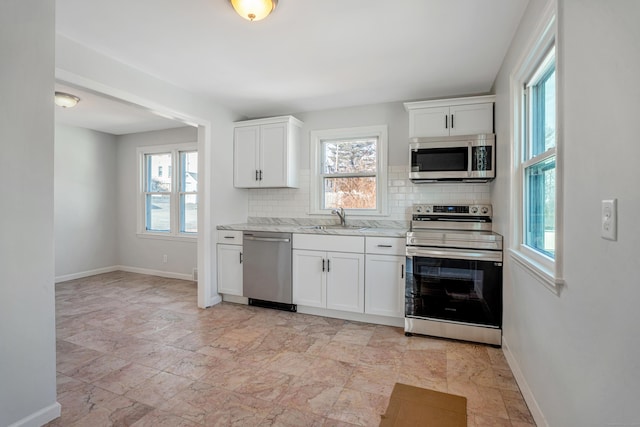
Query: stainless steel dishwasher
{"type": "Point", "coordinates": [267, 269]}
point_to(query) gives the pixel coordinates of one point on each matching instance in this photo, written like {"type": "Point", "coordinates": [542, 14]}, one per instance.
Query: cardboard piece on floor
{"type": "Point", "coordinates": [415, 406]}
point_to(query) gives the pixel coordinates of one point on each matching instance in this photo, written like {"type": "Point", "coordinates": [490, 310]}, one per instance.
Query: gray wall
{"type": "Point", "coordinates": [27, 317]}
{"type": "Point", "coordinates": [579, 351]}
{"type": "Point", "coordinates": [85, 201]}
{"type": "Point", "coordinates": [133, 250]}
{"type": "Point", "coordinates": [392, 114]}
{"type": "Point", "coordinates": [219, 202]}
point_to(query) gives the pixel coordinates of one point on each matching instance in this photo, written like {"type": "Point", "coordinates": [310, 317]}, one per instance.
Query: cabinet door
{"type": "Point", "coordinates": [472, 119]}
{"type": "Point", "coordinates": [433, 121]}
{"type": "Point", "coordinates": [345, 281]}
{"type": "Point", "coordinates": [230, 269]}
{"type": "Point", "coordinates": [384, 287]}
{"type": "Point", "coordinates": [246, 140]}
{"type": "Point", "coordinates": [273, 155]}
{"type": "Point", "coordinates": [309, 287]}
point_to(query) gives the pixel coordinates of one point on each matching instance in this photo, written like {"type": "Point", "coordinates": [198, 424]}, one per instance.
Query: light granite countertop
{"type": "Point", "coordinates": [304, 226]}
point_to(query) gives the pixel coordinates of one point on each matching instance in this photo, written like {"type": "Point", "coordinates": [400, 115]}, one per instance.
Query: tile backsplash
{"type": "Point", "coordinates": [401, 193]}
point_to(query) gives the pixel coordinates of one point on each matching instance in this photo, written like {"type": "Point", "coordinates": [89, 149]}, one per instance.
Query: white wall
{"type": "Point", "coordinates": [578, 352]}
{"type": "Point", "coordinates": [219, 202]}
{"type": "Point", "coordinates": [142, 252]}
{"type": "Point", "coordinates": [85, 201]}
{"type": "Point", "coordinates": [402, 193]}
{"type": "Point", "coordinates": [27, 317]}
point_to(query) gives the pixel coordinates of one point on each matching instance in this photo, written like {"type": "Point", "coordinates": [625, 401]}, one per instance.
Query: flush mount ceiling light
{"type": "Point", "coordinates": [65, 100]}
{"type": "Point", "coordinates": [254, 10]}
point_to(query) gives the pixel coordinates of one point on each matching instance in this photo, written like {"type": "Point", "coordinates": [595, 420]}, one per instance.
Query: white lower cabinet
{"type": "Point", "coordinates": [345, 281]}
{"type": "Point", "coordinates": [309, 281]}
{"type": "Point", "coordinates": [385, 285]}
{"type": "Point", "coordinates": [332, 280]}
{"type": "Point", "coordinates": [230, 269]}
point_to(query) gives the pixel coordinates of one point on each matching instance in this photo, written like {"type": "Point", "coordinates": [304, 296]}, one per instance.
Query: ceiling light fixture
{"type": "Point", "coordinates": [254, 10]}
{"type": "Point", "coordinates": [66, 100]}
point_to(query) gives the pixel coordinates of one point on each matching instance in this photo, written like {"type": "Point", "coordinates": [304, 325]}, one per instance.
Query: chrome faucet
{"type": "Point", "coordinates": [341, 215]}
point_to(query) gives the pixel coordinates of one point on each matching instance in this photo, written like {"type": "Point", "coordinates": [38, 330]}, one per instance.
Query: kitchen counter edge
{"type": "Point", "coordinates": [298, 229]}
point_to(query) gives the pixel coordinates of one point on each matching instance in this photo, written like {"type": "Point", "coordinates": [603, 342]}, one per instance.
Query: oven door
{"type": "Point", "coordinates": [463, 286]}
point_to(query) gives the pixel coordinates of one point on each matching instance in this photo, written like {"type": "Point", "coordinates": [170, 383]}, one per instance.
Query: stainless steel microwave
{"type": "Point", "coordinates": [466, 158]}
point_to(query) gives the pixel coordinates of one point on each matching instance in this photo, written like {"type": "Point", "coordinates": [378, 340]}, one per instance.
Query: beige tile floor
{"type": "Point", "coordinates": [135, 350]}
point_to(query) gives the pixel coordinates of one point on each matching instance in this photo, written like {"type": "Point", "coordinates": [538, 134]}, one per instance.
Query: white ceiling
{"type": "Point", "coordinates": [95, 111]}
{"type": "Point", "coordinates": [309, 54]}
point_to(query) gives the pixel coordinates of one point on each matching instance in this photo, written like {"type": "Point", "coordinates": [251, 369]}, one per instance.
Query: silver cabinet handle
{"type": "Point", "coordinates": [452, 121]}
{"type": "Point", "coordinates": [402, 271]}
{"type": "Point", "coordinates": [266, 239]}
{"type": "Point", "coordinates": [240, 257]}
{"type": "Point", "coordinates": [328, 266]}
{"type": "Point", "coordinates": [260, 174]}
{"type": "Point", "coordinates": [256, 174]}
{"type": "Point", "coordinates": [446, 121]}
{"type": "Point", "coordinates": [323, 264]}
{"type": "Point", "coordinates": [229, 237]}
{"type": "Point", "coordinates": [385, 246]}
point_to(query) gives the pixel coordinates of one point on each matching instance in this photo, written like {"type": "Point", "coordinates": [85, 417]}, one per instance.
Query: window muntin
{"type": "Point", "coordinates": [169, 194]}
{"type": "Point", "coordinates": [539, 158]}
{"type": "Point", "coordinates": [349, 170]}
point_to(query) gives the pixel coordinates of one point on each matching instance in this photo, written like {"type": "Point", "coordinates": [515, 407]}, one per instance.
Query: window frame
{"type": "Point", "coordinates": [530, 68]}
{"type": "Point", "coordinates": [175, 204]}
{"type": "Point", "coordinates": [316, 181]}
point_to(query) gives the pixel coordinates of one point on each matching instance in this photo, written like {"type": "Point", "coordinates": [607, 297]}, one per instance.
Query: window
{"type": "Point", "coordinates": [349, 170]}
{"type": "Point", "coordinates": [539, 160]}
{"type": "Point", "coordinates": [537, 194]}
{"type": "Point", "coordinates": [168, 202]}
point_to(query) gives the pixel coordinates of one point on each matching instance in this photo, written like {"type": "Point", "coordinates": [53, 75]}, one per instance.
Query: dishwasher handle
{"type": "Point", "coordinates": [267, 239]}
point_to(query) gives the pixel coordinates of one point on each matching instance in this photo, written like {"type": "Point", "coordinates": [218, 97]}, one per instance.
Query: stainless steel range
{"type": "Point", "coordinates": [454, 274]}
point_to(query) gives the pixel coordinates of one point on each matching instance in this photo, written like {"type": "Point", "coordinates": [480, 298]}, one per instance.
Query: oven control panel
{"type": "Point", "coordinates": [455, 210]}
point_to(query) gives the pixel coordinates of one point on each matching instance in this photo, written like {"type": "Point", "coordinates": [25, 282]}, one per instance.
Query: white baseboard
{"type": "Point", "coordinates": [235, 299]}
{"type": "Point", "coordinates": [535, 410]}
{"type": "Point", "coordinates": [159, 273]}
{"type": "Point", "coordinates": [83, 274]}
{"type": "Point", "coordinates": [216, 299]}
{"type": "Point", "coordinates": [40, 417]}
{"type": "Point", "coordinates": [356, 317]}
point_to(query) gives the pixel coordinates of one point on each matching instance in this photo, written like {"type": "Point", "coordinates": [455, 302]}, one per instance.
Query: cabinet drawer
{"type": "Point", "coordinates": [385, 245]}
{"type": "Point", "coordinates": [314, 242]}
{"type": "Point", "coordinates": [230, 237]}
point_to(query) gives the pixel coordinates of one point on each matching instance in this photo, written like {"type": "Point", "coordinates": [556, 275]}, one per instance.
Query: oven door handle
{"type": "Point", "coordinates": [413, 251]}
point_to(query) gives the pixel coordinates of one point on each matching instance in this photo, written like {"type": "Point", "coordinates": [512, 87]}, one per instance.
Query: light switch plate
{"type": "Point", "coordinates": [609, 219]}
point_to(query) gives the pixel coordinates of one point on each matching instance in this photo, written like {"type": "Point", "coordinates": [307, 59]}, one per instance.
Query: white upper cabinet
{"type": "Point", "coordinates": [265, 153]}
{"type": "Point", "coordinates": [456, 116]}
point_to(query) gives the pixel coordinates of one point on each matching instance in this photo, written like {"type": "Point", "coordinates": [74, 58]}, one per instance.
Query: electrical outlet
{"type": "Point", "coordinates": [609, 219]}
{"type": "Point", "coordinates": [164, 258]}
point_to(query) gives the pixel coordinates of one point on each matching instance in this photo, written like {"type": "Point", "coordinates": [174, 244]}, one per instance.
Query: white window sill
{"type": "Point", "coordinates": [543, 274]}
{"type": "Point", "coordinates": [179, 238]}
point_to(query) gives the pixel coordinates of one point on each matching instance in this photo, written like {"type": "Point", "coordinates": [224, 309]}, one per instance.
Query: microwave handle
{"type": "Point", "coordinates": [469, 158]}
